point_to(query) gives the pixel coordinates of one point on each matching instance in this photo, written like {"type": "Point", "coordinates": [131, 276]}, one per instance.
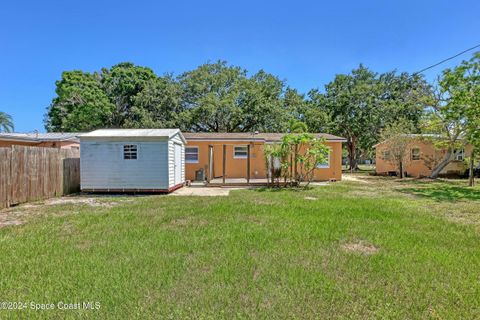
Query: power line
{"type": "Point", "coordinates": [445, 60]}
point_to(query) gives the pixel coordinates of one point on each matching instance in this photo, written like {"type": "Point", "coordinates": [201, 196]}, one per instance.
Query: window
{"type": "Point", "coordinates": [191, 154]}
{"type": "Point", "coordinates": [240, 152]}
{"type": "Point", "coordinates": [415, 154]}
{"type": "Point", "coordinates": [459, 154]}
{"type": "Point", "coordinates": [326, 164]}
{"type": "Point", "coordinates": [386, 155]}
{"type": "Point", "coordinates": [130, 152]}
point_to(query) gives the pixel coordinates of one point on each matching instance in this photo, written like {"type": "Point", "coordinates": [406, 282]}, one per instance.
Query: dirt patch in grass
{"type": "Point", "coordinates": [185, 222]}
{"type": "Point", "coordinates": [264, 202]}
{"type": "Point", "coordinates": [20, 214]}
{"type": "Point", "coordinates": [10, 218]}
{"type": "Point", "coordinates": [203, 191]}
{"type": "Point", "coordinates": [252, 219]}
{"type": "Point", "coordinates": [84, 245]}
{"type": "Point", "coordinates": [361, 247]}
{"type": "Point", "coordinates": [347, 177]}
{"type": "Point", "coordinates": [364, 194]}
{"type": "Point", "coordinates": [10, 223]}
{"type": "Point", "coordinates": [94, 202]}
{"type": "Point", "coordinates": [310, 198]}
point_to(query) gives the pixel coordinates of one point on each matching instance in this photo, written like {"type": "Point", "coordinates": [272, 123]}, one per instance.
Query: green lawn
{"type": "Point", "coordinates": [372, 248]}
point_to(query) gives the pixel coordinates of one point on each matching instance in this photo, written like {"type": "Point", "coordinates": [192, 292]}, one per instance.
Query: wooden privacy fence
{"type": "Point", "coordinates": [33, 173]}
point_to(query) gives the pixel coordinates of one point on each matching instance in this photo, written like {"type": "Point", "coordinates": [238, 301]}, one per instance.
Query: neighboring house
{"type": "Point", "coordinates": [59, 140]}
{"type": "Point", "coordinates": [204, 155]}
{"type": "Point", "coordinates": [132, 160]}
{"type": "Point", "coordinates": [422, 158]}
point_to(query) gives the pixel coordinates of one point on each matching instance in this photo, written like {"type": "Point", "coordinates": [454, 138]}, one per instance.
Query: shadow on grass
{"type": "Point", "coordinates": [442, 192]}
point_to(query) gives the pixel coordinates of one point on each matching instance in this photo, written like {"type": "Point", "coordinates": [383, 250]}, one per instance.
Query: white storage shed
{"type": "Point", "coordinates": [132, 160]}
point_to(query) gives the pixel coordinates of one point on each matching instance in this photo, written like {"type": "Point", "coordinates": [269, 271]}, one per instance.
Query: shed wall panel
{"type": "Point", "coordinates": [103, 166]}
{"type": "Point", "coordinates": [171, 160]}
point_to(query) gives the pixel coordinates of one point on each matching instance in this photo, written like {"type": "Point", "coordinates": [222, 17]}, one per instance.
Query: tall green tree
{"type": "Point", "coordinates": [403, 96]}
{"type": "Point", "coordinates": [310, 111]}
{"type": "Point", "coordinates": [353, 104]}
{"type": "Point", "coordinates": [122, 83]}
{"type": "Point", "coordinates": [6, 122]}
{"type": "Point", "coordinates": [217, 97]}
{"type": "Point", "coordinates": [362, 103]}
{"type": "Point", "coordinates": [158, 105]}
{"type": "Point", "coordinates": [398, 142]}
{"type": "Point", "coordinates": [456, 114]}
{"type": "Point", "coordinates": [210, 96]}
{"type": "Point", "coordinates": [80, 104]}
{"type": "Point", "coordinates": [263, 106]}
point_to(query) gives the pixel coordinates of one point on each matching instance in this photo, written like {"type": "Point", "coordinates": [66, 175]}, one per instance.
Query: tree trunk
{"type": "Point", "coordinates": [446, 160]}
{"type": "Point", "coordinates": [352, 155]}
{"type": "Point", "coordinates": [471, 178]}
{"type": "Point", "coordinates": [400, 167]}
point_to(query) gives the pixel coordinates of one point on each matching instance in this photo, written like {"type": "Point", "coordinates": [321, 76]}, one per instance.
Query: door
{"type": "Point", "coordinates": [178, 164]}
{"type": "Point", "coordinates": [217, 161]}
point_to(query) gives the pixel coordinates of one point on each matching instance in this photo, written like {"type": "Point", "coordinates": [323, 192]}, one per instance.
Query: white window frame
{"type": "Point", "coordinates": [242, 156]}
{"type": "Point", "coordinates": [130, 152]}
{"type": "Point", "coordinates": [198, 154]}
{"type": "Point", "coordinates": [459, 154]}
{"type": "Point", "coordinates": [419, 154]}
{"type": "Point", "coordinates": [327, 165]}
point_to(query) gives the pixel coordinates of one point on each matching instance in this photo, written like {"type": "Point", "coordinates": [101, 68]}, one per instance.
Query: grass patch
{"type": "Point", "coordinates": [384, 252]}
{"type": "Point", "coordinates": [445, 192]}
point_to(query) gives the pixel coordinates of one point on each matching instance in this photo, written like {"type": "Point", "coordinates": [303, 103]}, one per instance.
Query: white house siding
{"type": "Point", "coordinates": [103, 167]}
{"type": "Point", "coordinates": [171, 159]}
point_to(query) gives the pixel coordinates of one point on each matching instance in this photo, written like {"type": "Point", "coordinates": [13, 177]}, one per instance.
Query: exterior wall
{"type": "Point", "coordinates": [8, 144]}
{"type": "Point", "coordinates": [237, 168]}
{"type": "Point", "coordinates": [422, 167]}
{"type": "Point", "coordinates": [49, 144]}
{"type": "Point", "coordinates": [171, 160]}
{"type": "Point", "coordinates": [335, 169]}
{"type": "Point", "coordinates": [102, 165]}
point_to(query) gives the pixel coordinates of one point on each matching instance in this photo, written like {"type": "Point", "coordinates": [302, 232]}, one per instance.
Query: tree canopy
{"type": "Point", "coordinates": [359, 105]}
{"type": "Point", "coordinates": [455, 114]}
{"type": "Point", "coordinates": [6, 122]}
{"type": "Point", "coordinates": [218, 97]}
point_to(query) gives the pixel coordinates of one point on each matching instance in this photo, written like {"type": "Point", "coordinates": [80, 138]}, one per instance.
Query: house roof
{"type": "Point", "coordinates": [39, 137]}
{"type": "Point", "coordinates": [131, 133]}
{"type": "Point", "coordinates": [245, 136]}
{"type": "Point", "coordinates": [415, 135]}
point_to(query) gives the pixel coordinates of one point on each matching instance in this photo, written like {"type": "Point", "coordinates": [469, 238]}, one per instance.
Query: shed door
{"type": "Point", "coordinates": [178, 164]}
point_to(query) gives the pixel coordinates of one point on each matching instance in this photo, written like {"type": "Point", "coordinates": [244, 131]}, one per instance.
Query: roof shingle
{"type": "Point", "coordinates": [269, 137]}
{"type": "Point", "coordinates": [39, 137]}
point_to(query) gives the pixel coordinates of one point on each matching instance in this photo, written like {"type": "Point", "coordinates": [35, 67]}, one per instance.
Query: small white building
{"type": "Point", "coordinates": [132, 160]}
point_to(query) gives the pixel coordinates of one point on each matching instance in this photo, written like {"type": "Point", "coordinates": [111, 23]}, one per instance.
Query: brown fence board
{"type": "Point", "coordinates": [33, 173]}
{"type": "Point", "coordinates": [5, 154]}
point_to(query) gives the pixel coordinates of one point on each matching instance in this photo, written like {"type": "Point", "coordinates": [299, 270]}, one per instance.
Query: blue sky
{"type": "Point", "coordinates": [304, 42]}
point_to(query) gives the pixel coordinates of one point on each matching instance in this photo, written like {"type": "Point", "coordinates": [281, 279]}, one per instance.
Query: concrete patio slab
{"type": "Point", "coordinates": [203, 191]}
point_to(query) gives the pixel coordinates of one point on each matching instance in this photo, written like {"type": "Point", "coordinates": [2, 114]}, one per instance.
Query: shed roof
{"type": "Point", "coordinates": [131, 133]}
{"type": "Point", "coordinates": [246, 136]}
{"type": "Point", "coordinates": [39, 137]}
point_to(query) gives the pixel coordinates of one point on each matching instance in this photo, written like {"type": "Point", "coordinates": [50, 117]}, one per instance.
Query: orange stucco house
{"type": "Point", "coordinates": [46, 140]}
{"type": "Point", "coordinates": [205, 156]}
{"type": "Point", "coordinates": [423, 156]}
